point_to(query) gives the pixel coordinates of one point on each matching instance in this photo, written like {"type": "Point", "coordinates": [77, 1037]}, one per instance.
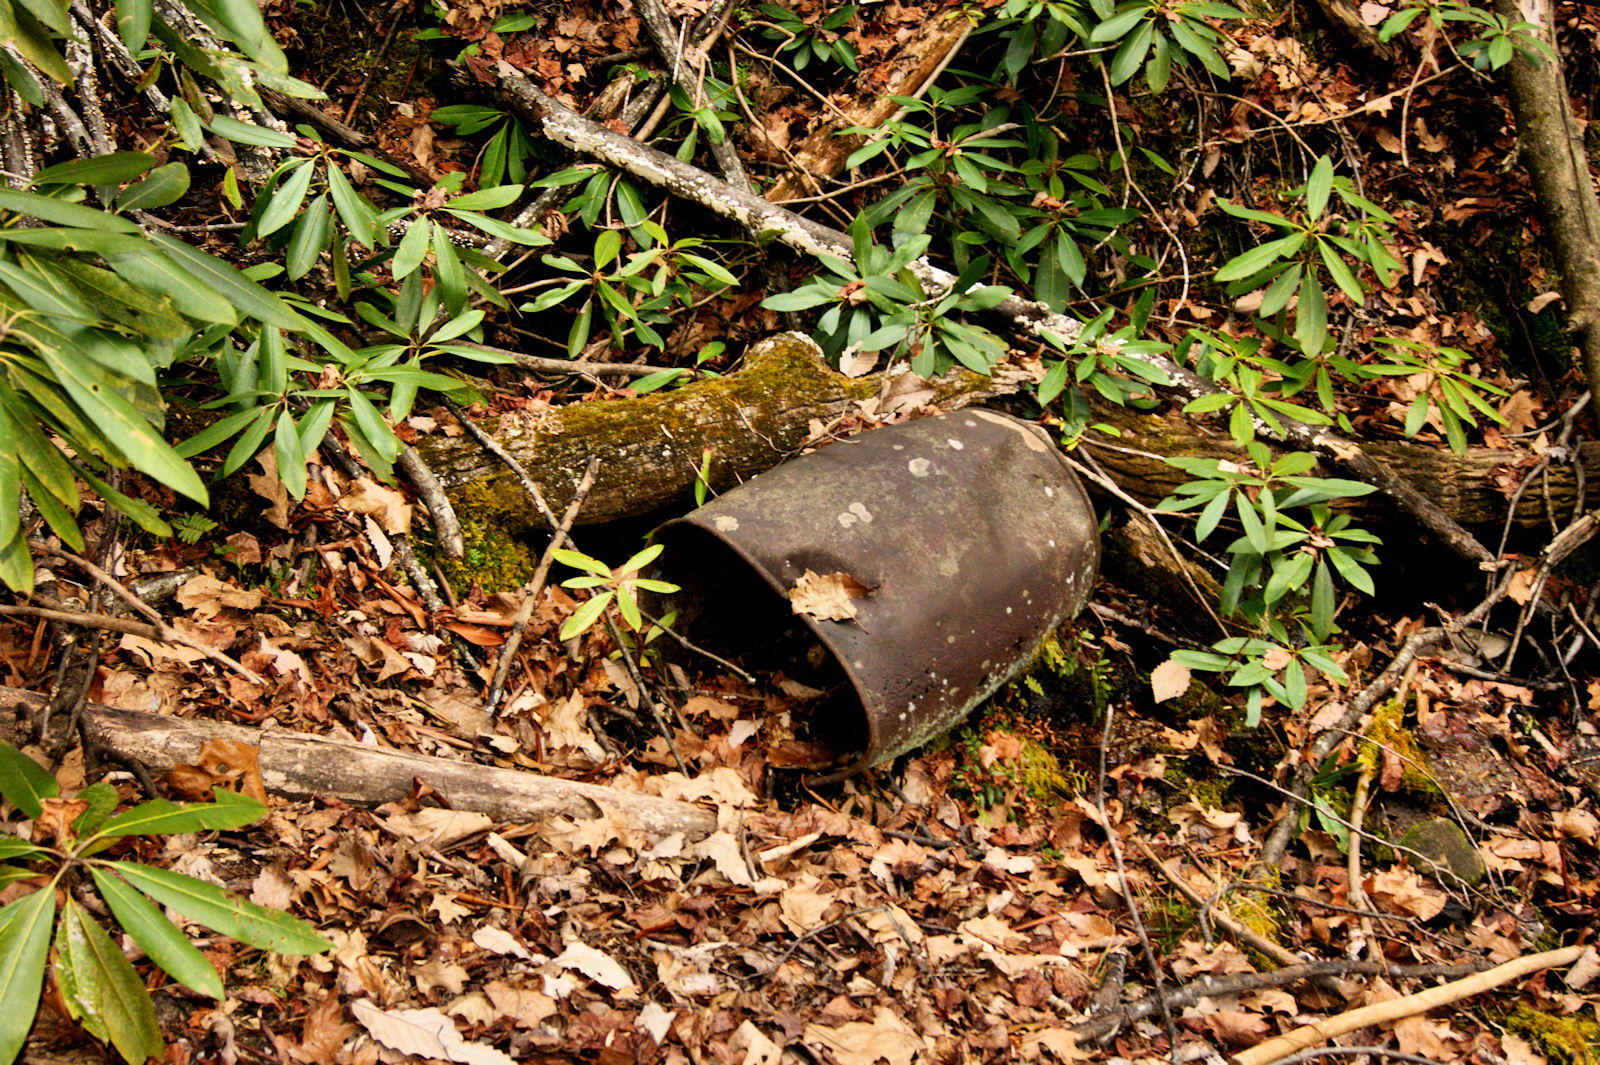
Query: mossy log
{"type": "Point", "coordinates": [651, 447]}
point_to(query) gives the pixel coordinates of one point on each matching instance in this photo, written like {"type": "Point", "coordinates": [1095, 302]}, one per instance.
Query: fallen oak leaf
{"type": "Point", "coordinates": [425, 1033]}
{"type": "Point", "coordinates": [827, 597]}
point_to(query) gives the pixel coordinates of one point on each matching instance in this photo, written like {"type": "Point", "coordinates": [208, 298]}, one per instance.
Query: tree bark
{"type": "Point", "coordinates": [1552, 146]}
{"type": "Point", "coordinates": [652, 447]}
{"type": "Point", "coordinates": [301, 766]}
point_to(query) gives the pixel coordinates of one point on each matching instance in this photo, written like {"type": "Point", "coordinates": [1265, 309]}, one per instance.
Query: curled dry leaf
{"type": "Point", "coordinates": [597, 966]}
{"type": "Point", "coordinates": [384, 505]}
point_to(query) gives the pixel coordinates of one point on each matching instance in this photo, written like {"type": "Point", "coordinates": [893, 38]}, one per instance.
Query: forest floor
{"type": "Point", "coordinates": [1086, 843]}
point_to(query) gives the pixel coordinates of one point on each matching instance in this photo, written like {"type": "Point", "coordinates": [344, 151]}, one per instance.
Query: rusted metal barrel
{"type": "Point", "coordinates": [958, 542]}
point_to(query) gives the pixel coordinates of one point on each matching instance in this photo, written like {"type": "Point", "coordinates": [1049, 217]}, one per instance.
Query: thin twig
{"type": "Point", "coordinates": [1243, 933]}
{"type": "Point", "coordinates": [84, 620]}
{"type": "Point", "coordinates": [1216, 986]}
{"type": "Point", "coordinates": [646, 694]}
{"type": "Point", "coordinates": [398, 12]}
{"type": "Point", "coordinates": [446, 526]}
{"type": "Point", "coordinates": [530, 598]}
{"type": "Point", "coordinates": [168, 634]}
{"type": "Point", "coordinates": [1127, 889]}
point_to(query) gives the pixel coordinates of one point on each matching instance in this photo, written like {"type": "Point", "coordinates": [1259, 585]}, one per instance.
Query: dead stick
{"type": "Point", "coordinates": [647, 695]}
{"type": "Point", "coordinates": [445, 524]}
{"type": "Point", "coordinates": [299, 765]}
{"type": "Point", "coordinates": [508, 653]}
{"type": "Point", "coordinates": [1238, 931]}
{"type": "Point", "coordinates": [168, 634]}
{"type": "Point", "coordinates": [84, 620]}
{"type": "Point", "coordinates": [1400, 1008]}
{"type": "Point", "coordinates": [1211, 986]}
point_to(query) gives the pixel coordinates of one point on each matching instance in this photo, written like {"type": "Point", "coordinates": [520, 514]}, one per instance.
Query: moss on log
{"type": "Point", "coordinates": [651, 447]}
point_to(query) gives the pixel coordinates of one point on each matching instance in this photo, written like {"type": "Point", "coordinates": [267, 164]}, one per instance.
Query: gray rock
{"type": "Point", "coordinates": [1443, 841]}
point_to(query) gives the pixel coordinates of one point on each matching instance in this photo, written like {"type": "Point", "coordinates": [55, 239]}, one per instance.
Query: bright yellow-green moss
{"type": "Point", "coordinates": [1570, 1040]}
{"type": "Point", "coordinates": [496, 557]}
{"type": "Point", "coordinates": [1385, 731]}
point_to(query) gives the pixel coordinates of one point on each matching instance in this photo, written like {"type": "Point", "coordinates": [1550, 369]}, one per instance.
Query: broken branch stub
{"type": "Point", "coordinates": [909, 571]}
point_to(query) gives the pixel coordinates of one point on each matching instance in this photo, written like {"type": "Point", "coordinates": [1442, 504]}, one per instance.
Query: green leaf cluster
{"type": "Point", "coordinates": [621, 586]}
{"type": "Point", "coordinates": [878, 303]}
{"type": "Point", "coordinates": [815, 37]}
{"type": "Point", "coordinates": [98, 983]}
{"type": "Point", "coordinates": [1158, 35]}
{"type": "Point", "coordinates": [1310, 249]}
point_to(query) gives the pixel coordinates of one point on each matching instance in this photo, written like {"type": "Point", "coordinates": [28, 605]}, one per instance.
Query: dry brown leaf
{"type": "Point", "coordinates": [884, 1038]}
{"type": "Point", "coordinates": [426, 1033]}
{"type": "Point", "coordinates": [229, 762]}
{"type": "Point", "coordinates": [1169, 680]}
{"type": "Point", "coordinates": [387, 506]}
{"type": "Point", "coordinates": [526, 1007]}
{"type": "Point", "coordinates": [757, 1048]}
{"type": "Point", "coordinates": [323, 1032]}
{"type": "Point", "coordinates": [597, 966]}
{"type": "Point", "coordinates": [1403, 891]}
{"type": "Point", "coordinates": [206, 596]}
{"type": "Point", "coordinates": [1577, 823]}
{"type": "Point", "coordinates": [269, 486]}
{"type": "Point", "coordinates": [439, 828]}
{"type": "Point", "coordinates": [827, 597]}
{"type": "Point", "coordinates": [1520, 410]}
{"type": "Point", "coordinates": [655, 1021]}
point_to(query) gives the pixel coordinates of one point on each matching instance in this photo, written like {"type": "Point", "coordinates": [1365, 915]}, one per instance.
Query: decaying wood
{"type": "Point", "coordinates": [1397, 1009]}
{"type": "Point", "coordinates": [301, 766]}
{"type": "Point", "coordinates": [823, 152]}
{"type": "Point", "coordinates": [651, 447]}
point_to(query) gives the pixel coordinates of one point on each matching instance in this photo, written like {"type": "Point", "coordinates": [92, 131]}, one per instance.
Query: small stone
{"type": "Point", "coordinates": [1443, 841]}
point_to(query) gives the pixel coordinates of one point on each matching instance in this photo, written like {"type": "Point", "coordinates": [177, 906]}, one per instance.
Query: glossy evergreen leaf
{"type": "Point", "coordinates": [24, 947]}
{"type": "Point", "coordinates": [104, 404]}
{"type": "Point", "coordinates": [209, 905]}
{"type": "Point", "coordinates": [156, 936]}
{"type": "Point", "coordinates": [161, 817]}
{"type": "Point", "coordinates": [285, 200]}
{"type": "Point", "coordinates": [113, 168]}
{"type": "Point", "coordinates": [24, 782]}
{"type": "Point", "coordinates": [101, 989]}
{"type": "Point", "coordinates": [133, 23]}
{"type": "Point", "coordinates": [309, 239]}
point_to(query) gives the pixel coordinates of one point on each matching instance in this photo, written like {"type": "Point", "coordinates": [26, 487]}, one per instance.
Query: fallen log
{"type": "Point", "coordinates": [823, 152]}
{"type": "Point", "coordinates": [1029, 317]}
{"type": "Point", "coordinates": [297, 765]}
{"type": "Point", "coordinates": [651, 448]}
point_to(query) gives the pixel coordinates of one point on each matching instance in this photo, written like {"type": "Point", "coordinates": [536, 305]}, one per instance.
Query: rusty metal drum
{"type": "Point", "coordinates": [957, 541]}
